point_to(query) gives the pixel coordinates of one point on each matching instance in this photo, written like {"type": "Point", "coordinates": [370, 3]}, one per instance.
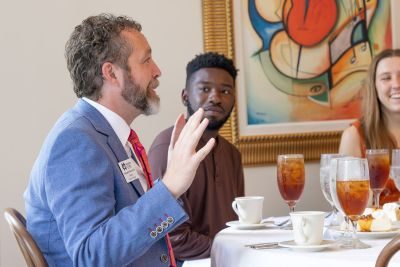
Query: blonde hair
{"type": "Point", "coordinates": [373, 121]}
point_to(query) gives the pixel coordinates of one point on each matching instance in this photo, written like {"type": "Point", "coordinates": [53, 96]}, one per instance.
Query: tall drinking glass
{"type": "Point", "coordinates": [352, 188]}
{"type": "Point", "coordinates": [395, 167]}
{"type": "Point", "coordinates": [324, 176]}
{"type": "Point", "coordinates": [290, 176]}
{"type": "Point", "coordinates": [379, 167]}
{"type": "Point", "coordinates": [346, 237]}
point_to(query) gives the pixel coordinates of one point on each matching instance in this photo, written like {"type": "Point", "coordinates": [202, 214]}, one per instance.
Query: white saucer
{"type": "Point", "coordinates": [248, 226]}
{"type": "Point", "coordinates": [371, 235]}
{"type": "Point", "coordinates": [308, 248]}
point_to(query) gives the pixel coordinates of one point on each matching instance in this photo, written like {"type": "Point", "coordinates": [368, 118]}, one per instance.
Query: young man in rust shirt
{"type": "Point", "coordinates": [210, 84]}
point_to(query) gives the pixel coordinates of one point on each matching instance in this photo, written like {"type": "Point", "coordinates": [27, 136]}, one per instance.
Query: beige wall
{"type": "Point", "coordinates": [36, 89]}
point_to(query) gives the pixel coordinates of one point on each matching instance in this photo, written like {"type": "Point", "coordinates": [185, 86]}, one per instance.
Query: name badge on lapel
{"type": "Point", "coordinates": [128, 169]}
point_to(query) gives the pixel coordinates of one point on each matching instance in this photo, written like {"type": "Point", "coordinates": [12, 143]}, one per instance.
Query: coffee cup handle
{"type": "Point", "coordinates": [303, 236]}
{"type": "Point", "coordinates": [235, 208]}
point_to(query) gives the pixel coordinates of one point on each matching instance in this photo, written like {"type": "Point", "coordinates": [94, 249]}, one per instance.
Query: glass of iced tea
{"type": "Point", "coordinates": [352, 189]}
{"type": "Point", "coordinates": [379, 168]}
{"type": "Point", "coordinates": [290, 174]}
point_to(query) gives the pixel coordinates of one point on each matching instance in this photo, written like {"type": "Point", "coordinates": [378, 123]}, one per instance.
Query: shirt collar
{"type": "Point", "coordinates": [120, 127]}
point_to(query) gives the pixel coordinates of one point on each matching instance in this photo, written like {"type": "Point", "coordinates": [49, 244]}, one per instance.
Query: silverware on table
{"type": "Point", "coordinates": [266, 245]}
{"type": "Point", "coordinates": [283, 222]}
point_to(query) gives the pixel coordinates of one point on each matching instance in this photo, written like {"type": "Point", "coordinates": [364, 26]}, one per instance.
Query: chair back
{"type": "Point", "coordinates": [387, 252]}
{"type": "Point", "coordinates": [31, 252]}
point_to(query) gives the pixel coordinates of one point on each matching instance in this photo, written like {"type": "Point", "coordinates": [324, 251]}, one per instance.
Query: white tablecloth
{"type": "Point", "coordinates": [197, 263]}
{"type": "Point", "coordinates": [228, 251]}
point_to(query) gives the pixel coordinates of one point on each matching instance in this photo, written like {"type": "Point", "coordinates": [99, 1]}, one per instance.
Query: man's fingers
{"type": "Point", "coordinates": [178, 126]}
{"type": "Point", "coordinates": [197, 116]}
{"type": "Point", "coordinates": [199, 130]}
{"type": "Point", "coordinates": [191, 125]}
{"type": "Point", "coordinates": [203, 152]}
{"type": "Point", "coordinates": [194, 121]}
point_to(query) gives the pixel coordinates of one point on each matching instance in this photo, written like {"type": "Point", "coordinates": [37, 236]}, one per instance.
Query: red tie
{"type": "Point", "coordinates": [144, 162]}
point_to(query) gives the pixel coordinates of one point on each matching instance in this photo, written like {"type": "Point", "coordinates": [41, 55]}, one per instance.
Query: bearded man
{"type": "Point", "coordinates": [92, 199]}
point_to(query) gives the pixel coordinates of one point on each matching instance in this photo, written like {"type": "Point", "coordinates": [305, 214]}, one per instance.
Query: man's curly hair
{"type": "Point", "coordinates": [210, 60]}
{"type": "Point", "coordinates": [95, 41]}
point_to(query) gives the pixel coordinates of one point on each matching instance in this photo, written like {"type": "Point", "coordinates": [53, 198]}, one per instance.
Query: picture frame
{"type": "Point", "coordinates": [258, 144]}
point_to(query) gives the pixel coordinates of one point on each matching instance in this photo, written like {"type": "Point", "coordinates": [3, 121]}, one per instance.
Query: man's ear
{"type": "Point", "coordinates": [108, 70]}
{"type": "Point", "coordinates": [184, 97]}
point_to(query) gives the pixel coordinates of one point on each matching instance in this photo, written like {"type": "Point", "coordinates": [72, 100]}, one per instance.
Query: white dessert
{"type": "Point", "coordinates": [373, 220]}
{"type": "Point", "coordinates": [393, 211]}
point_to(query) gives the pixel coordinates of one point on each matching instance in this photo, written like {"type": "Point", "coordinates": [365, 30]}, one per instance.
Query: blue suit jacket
{"type": "Point", "coordinates": [80, 209]}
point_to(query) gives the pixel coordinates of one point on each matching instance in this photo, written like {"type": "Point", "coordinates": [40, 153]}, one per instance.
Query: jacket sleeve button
{"type": "Point", "coordinates": [164, 258]}
{"type": "Point", "coordinates": [170, 220]}
{"type": "Point", "coordinates": [153, 234]}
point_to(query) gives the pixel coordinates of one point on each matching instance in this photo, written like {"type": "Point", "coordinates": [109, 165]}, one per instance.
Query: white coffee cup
{"type": "Point", "coordinates": [249, 209]}
{"type": "Point", "coordinates": [308, 227]}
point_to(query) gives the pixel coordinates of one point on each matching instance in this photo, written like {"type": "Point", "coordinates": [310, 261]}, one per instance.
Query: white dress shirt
{"type": "Point", "coordinates": [122, 130]}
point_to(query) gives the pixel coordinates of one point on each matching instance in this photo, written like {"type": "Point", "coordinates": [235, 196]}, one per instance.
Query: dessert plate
{"type": "Point", "coordinates": [371, 235]}
{"type": "Point", "coordinates": [249, 226]}
{"type": "Point", "coordinates": [308, 248]}
{"type": "Point", "coordinates": [396, 224]}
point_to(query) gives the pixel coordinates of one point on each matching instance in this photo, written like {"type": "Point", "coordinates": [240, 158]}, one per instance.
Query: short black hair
{"type": "Point", "coordinates": [210, 60]}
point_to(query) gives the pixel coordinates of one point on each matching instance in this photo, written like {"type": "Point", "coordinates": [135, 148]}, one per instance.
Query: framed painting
{"type": "Point", "coordinates": [301, 69]}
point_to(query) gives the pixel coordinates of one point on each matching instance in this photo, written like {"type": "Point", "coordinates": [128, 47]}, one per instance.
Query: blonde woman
{"type": "Point", "coordinates": [379, 126]}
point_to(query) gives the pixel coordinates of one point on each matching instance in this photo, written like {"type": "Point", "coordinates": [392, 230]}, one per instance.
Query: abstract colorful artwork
{"type": "Point", "coordinates": [305, 60]}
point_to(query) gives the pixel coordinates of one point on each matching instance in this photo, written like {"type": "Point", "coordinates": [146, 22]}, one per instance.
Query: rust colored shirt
{"type": "Point", "coordinates": [390, 193]}
{"type": "Point", "coordinates": [208, 201]}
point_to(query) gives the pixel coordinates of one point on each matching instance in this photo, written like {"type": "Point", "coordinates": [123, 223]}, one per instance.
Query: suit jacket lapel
{"type": "Point", "coordinates": [103, 127]}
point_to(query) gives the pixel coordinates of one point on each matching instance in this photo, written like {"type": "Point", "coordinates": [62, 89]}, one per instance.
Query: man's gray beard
{"type": "Point", "coordinates": [138, 97]}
